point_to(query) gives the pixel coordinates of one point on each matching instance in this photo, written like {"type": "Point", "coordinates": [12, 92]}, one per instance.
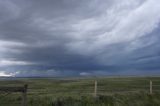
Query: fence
{"type": "Point", "coordinates": [95, 87]}
{"type": "Point", "coordinates": [150, 88]}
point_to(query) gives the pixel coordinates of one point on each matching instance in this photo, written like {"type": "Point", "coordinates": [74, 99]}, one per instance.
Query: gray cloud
{"type": "Point", "coordinates": [79, 37]}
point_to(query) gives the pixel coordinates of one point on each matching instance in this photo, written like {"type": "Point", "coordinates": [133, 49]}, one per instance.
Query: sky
{"type": "Point", "coordinates": [53, 38]}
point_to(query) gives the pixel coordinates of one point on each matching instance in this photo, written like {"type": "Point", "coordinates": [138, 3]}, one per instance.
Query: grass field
{"type": "Point", "coordinates": [115, 91]}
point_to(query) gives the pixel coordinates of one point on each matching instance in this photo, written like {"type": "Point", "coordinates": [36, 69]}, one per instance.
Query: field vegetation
{"type": "Point", "coordinates": [115, 91]}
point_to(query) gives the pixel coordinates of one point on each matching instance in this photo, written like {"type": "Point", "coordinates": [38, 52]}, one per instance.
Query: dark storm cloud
{"type": "Point", "coordinates": [59, 37]}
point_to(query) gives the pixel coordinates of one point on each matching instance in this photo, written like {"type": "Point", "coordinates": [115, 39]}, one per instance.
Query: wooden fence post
{"type": "Point", "coordinates": [151, 87]}
{"type": "Point", "coordinates": [24, 96]}
{"type": "Point", "coordinates": [95, 88]}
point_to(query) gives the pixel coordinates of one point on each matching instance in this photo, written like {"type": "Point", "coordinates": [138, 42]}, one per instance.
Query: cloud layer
{"type": "Point", "coordinates": [68, 38]}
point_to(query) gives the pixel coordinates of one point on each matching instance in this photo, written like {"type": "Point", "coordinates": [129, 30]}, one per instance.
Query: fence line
{"type": "Point", "coordinates": [94, 88]}
{"type": "Point", "coordinates": [150, 88]}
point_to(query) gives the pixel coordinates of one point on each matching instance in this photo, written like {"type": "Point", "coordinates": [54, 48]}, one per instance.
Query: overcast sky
{"type": "Point", "coordinates": [79, 37]}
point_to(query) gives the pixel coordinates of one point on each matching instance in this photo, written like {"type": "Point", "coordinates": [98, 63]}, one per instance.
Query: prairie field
{"type": "Point", "coordinates": [111, 91]}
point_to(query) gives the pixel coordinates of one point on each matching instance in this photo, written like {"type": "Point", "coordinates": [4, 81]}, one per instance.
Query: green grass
{"type": "Point", "coordinates": [126, 91]}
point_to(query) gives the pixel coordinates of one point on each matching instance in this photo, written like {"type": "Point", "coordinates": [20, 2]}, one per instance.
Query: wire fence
{"type": "Point", "coordinates": [79, 88]}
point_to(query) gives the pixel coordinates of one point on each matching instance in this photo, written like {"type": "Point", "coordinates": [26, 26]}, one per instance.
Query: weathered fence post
{"type": "Point", "coordinates": [151, 87]}
{"type": "Point", "coordinates": [95, 88]}
{"type": "Point", "coordinates": [24, 95]}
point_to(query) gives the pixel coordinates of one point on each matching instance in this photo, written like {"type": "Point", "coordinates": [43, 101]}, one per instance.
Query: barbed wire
{"type": "Point", "coordinates": [5, 95]}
